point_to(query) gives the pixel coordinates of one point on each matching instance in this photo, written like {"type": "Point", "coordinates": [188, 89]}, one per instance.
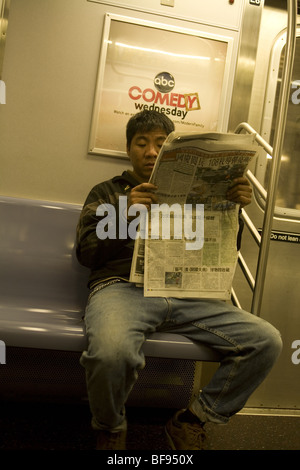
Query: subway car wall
{"type": "Point", "coordinates": [46, 123]}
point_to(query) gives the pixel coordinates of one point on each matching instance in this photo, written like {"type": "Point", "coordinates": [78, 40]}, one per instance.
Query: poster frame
{"type": "Point", "coordinates": [225, 96]}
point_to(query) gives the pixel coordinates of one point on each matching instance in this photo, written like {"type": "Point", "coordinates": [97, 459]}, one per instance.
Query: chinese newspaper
{"type": "Point", "coordinates": [187, 246]}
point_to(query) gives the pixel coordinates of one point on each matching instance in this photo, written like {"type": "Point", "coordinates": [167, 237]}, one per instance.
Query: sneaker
{"type": "Point", "coordinates": [185, 435]}
{"type": "Point", "coordinates": [111, 440]}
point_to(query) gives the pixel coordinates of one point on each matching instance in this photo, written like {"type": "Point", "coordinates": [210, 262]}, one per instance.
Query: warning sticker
{"type": "Point", "coordinates": [284, 236]}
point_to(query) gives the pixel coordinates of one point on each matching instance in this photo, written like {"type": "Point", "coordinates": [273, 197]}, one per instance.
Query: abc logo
{"type": "Point", "coordinates": [164, 82]}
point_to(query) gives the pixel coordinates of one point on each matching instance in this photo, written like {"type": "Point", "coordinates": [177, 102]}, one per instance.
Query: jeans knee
{"type": "Point", "coordinates": [113, 356]}
{"type": "Point", "coordinates": [272, 342]}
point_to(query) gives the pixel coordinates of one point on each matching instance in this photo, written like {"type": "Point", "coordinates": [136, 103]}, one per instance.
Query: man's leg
{"type": "Point", "coordinates": [117, 319]}
{"type": "Point", "coordinates": [249, 345]}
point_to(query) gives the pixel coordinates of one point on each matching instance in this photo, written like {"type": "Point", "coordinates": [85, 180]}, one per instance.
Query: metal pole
{"type": "Point", "coordinates": [276, 160]}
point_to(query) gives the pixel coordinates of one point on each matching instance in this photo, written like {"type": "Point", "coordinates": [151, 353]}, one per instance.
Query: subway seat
{"type": "Point", "coordinates": [43, 288]}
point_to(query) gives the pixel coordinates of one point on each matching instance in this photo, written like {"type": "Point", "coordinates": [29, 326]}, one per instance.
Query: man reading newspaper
{"type": "Point", "coordinates": [119, 317]}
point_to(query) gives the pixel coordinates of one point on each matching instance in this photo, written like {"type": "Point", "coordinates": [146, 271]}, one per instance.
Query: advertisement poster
{"type": "Point", "coordinates": [147, 65]}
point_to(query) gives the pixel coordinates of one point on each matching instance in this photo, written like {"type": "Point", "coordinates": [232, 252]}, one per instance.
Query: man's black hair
{"type": "Point", "coordinates": [147, 121]}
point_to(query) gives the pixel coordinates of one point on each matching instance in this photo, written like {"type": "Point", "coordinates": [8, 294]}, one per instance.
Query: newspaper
{"type": "Point", "coordinates": [195, 255]}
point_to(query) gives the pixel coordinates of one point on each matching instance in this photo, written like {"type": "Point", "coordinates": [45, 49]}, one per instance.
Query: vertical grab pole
{"type": "Point", "coordinates": [276, 160]}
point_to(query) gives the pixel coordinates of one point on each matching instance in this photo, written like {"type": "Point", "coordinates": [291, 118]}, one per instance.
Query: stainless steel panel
{"type": "Point", "coordinates": [245, 65]}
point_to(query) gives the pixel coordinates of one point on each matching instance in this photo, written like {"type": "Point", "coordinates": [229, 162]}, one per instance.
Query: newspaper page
{"type": "Point", "coordinates": [187, 245]}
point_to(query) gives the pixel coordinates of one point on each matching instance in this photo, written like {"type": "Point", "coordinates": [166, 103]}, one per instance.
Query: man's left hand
{"type": "Point", "coordinates": [240, 192]}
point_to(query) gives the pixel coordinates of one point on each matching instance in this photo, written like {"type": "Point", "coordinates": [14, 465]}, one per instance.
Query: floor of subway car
{"type": "Point", "coordinates": [44, 426]}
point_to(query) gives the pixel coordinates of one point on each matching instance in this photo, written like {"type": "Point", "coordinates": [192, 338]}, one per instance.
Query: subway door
{"type": "Point", "coordinates": [281, 297]}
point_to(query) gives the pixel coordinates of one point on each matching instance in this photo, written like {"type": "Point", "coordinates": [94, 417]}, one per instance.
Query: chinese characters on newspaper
{"type": "Point", "coordinates": [187, 244]}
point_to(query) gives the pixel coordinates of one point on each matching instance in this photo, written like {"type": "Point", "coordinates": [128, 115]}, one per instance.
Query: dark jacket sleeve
{"type": "Point", "coordinates": [92, 251]}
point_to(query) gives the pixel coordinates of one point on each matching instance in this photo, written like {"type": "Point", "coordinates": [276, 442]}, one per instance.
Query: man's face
{"type": "Point", "coordinates": [143, 151]}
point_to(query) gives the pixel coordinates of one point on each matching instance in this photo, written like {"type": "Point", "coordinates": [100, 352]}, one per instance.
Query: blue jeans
{"type": "Point", "coordinates": [119, 319]}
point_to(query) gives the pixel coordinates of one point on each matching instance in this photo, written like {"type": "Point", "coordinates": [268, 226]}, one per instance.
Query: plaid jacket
{"type": "Point", "coordinates": [108, 258]}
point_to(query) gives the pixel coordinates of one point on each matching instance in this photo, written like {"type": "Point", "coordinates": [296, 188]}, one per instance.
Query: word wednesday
{"type": "Point", "coordinates": [166, 222]}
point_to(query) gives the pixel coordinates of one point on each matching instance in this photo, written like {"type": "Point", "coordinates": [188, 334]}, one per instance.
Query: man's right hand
{"type": "Point", "coordinates": [143, 194]}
